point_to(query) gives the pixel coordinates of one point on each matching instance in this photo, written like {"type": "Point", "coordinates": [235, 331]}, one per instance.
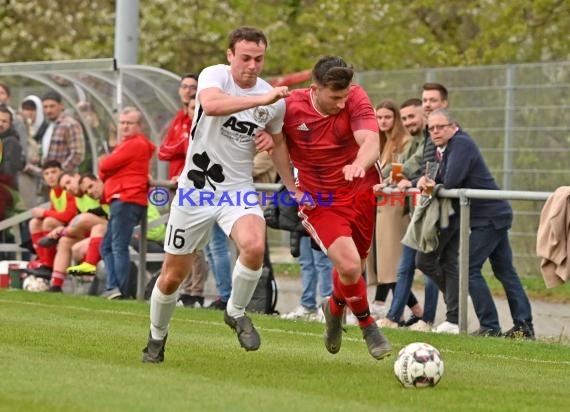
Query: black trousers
{"type": "Point", "coordinates": [442, 267]}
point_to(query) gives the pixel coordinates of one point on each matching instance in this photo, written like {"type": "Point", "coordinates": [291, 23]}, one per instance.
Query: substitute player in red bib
{"type": "Point", "coordinates": [332, 137]}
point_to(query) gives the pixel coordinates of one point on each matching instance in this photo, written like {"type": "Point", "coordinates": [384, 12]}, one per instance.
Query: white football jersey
{"type": "Point", "coordinates": [220, 156]}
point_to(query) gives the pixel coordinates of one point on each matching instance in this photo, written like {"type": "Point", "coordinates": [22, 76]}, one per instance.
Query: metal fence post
{"type": "Point", "coordinates": [509, 124]}
{"type": "Point", "coordinates": [464, 230]}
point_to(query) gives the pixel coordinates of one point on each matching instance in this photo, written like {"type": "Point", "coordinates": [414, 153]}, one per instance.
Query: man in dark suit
{"type": "Point", "coordinates": [463, 166]}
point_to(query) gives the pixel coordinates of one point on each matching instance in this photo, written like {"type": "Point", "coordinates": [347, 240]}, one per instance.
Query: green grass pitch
{"type": "Point", "coordinates": [76, 353]}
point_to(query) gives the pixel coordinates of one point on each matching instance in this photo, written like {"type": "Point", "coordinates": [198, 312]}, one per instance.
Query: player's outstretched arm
{"type": "Point", "coordinates": [368, 153]}
{"type": "Point", "coordinates": [217, 103]}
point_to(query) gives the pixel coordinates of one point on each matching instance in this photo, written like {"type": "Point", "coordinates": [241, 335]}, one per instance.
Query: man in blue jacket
{"type": "Point", "coordinates": [463, 166]}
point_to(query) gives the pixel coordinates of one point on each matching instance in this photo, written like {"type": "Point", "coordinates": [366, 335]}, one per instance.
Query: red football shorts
{"type": "Point", "coordinates": [325, 224]}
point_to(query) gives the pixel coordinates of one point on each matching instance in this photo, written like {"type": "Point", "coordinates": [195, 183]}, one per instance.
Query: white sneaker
{"type": "Point", "coordinates": [386, 323]}
{"type": "Point", "coordinates": [301, 313]}
{"type": "Point", "coordinates": [421, 326]}
{"type": "Point", "coordinates": [378, 311]}
{"type": "Point", "coordinates": [447, 327]}
{"type": "Point", "coordinates": [318, 316]}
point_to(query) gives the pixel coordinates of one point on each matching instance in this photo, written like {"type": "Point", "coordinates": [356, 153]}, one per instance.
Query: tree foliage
{"type": "Point", "coordinates": [371, 34]}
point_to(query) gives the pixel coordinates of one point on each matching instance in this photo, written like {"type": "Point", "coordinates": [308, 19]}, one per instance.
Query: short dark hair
{"type": "Point", "coordinates": [52, 95]}
{"type": "Point", "coordinates": [414, 101]}
{"type": "Point", "coordinates": [6, 109]}
{"type": "Point", "coordinates": [50, 164]}
{"type": "Point", "coordinates": [87, 176]}
{"type": "Point", "coordinates": [189, 76]}
{"type": "Point", "coordinates": [29, 105]}
{"type": "Point", "coordinates": [437, 86]}
{"type": "Point", "coordinates": [332, 72]}
{"type": "Point", "coordinates": [246, 33]}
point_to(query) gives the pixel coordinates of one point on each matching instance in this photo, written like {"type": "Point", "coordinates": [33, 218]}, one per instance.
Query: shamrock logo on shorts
{"type": "Point", "coordinates": [199, 177]}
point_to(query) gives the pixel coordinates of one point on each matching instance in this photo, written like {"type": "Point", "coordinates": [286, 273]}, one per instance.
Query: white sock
{"type": "Point", "coordinates": [161, 309]}
{"type": "Point", "coordinates": [243, 285]}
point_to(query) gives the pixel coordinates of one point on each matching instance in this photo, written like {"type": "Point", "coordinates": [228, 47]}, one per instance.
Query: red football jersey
{"type": "Point", "coordinates": [320, 146]}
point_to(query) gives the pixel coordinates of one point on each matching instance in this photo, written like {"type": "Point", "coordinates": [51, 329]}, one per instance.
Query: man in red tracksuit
{"type": "Point", "coordinates": [125, 174]}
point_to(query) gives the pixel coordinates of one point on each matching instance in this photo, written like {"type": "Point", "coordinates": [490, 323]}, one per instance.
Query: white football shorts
{"type": "Point", "coordinates": [192, 217]}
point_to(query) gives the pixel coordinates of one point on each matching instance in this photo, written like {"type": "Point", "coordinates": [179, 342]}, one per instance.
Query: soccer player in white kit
{"type": "Point", "coordinates": [233, 106]}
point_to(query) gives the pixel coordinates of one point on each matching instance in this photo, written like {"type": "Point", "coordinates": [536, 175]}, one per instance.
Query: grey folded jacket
{"type": "Point", "coordinates": [429, 217]}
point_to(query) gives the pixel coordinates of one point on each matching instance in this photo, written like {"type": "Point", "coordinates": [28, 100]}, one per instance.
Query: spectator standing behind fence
{"type": "Point", "coordinates": [32, 112]}
{"type": "Point", "coordinates": [434, 96]}
{"type": "Point", "coordinates": [125, 173]}
{"type": "Point", "coordinates": [11, 162]}
{"type": "Point", "coordinates": [332, 137]}
{"type": "Point", "coordinates": [463, 166]}
{"type": "Point", "coordinates": [413, 120]}
{"type": "Point", "coordinates": [17, 121]}
{"type": "Point", "coordinates": [440, 265]}
{"type": "Point", "coordinates": [392, 218]}
{"type": "Point", "coordinates": [30, 179]}
{"type": "Point", "coordinates": [439, 262]}
{"type": "Point", "coordinates": [63, 139]}
{"type": "Point", "coordinates": [9, 197]}
{"type": "Point", "coordinates": [234, 105]}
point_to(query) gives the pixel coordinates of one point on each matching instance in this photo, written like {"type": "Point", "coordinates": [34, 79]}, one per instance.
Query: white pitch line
{"type": "Point", "coordinates": [274, 330]}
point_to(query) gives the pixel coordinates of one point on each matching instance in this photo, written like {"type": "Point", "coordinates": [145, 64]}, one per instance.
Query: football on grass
{"type": "Point", "coordinates": [418, 365]}
{"type": "Point", "coordinates": [34, 284]}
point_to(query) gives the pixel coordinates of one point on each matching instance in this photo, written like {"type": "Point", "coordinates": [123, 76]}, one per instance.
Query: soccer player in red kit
{"type": "Point", "coordinates": [332, 137]}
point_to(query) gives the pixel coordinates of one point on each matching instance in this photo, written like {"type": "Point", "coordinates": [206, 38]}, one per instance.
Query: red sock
{"type": "Point", "coordinates": [57, 278]}
{"type": "Point", "coordinates": [40, 251]}
{"type": "Point", "coordinates": [357, 300]}
{"type": "Point", "coordinates": [93, 254]}
{"type": "Point", "coordinates": [49, 254]}
{"type": "Point", "coordinates": [337, 302]}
